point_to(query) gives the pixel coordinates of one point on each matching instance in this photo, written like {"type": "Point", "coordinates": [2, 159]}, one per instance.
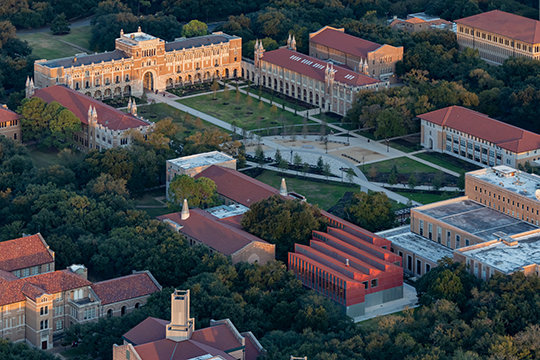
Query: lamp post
{"type": "Point", "coordinates": [363, 164]}
{"type": "Point", "coordinates": [387, 145]}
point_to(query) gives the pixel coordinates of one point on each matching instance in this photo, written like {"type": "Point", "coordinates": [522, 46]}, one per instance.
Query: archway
{"type": "Point", "coordinates": [127, 90]}
{"type": "Point", "coordinates": [226, 73]}
{"type": "Point", "coordinates": [431, 143]}
{"type": "Point", "coordinates": [148, 80]}
{"type": "Point", "coordinates": [169, 83]}
{"type": "Point", "coordinates": [123, 311]}
{"type": "Point", "coordinates": [243, 73]}
{"type": "Point", "coordinates": [118, 92]}
{"type": "Point", "coordinates": [97, 94]}
{"type": "Point", "coordinates": [235, 73]}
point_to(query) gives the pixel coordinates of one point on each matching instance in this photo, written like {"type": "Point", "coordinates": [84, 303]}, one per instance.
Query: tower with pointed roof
{"type": "Point", "coordinates": [30, 89]}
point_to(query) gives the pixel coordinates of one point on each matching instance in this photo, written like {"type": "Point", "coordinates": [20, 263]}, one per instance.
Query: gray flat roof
{"type": "Point", "coordinates": [425, 248]}
{"type": "Point", "coordinates": [478, 220]}
{"type": "Point", "coordinates": [506, 258]}
{"type": "Point", "coordinates": [206, 40]}
{"type": "Point", "coordinates": [86, 59]}
{"type": "Point", "coordinates": [521, 183]}
{"type": "Point", "coordinates": [194, 161]}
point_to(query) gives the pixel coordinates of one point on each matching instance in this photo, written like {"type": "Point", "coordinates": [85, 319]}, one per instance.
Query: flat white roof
{"type": "Point", "coordinates": [505, 258]}
{"type": "Point", "coordinates": [521, 183]}
{"type": "Point", "coordinates": [224, 211]}
{"type": "Point", "coordinates": [405, 238]}
{"type": "Point", "coordinates": [197, 160]}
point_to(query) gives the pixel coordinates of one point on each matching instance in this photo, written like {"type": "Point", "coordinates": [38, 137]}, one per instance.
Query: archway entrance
{"type": "Point", "coordinates": [148, 81]}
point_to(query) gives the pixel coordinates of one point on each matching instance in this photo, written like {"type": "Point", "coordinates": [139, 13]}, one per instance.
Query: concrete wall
{"type": "Point", "coordinates": [374, 299]}
{"type": "Point", "coordinates": [425, 264]}
{"type": "Point", "coordinates": [255, 252]}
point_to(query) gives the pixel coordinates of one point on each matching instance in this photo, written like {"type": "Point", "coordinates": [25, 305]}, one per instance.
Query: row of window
{"type": "Point", "coordinates": [31, 271]}
{"type": "Point", "coordinates": [448, 240]}
{"type": "Point", "coordinates": [499, 40]}
{"type": "Point", "coordinates": [9, 123]}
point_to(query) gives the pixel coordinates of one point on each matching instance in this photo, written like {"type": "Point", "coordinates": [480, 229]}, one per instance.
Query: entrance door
{"type": "Point", "coordinates": [431, 143]}
{"type": "Point", "coordinates": [148, 81]}
{"type": "Point", "coordinates": [44, 345]}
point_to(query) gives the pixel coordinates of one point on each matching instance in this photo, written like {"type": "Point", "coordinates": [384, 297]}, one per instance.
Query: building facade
{"type": "Point", "coordinates": [372, 59]}
{"type": "Point", "coordinates": [421, 22]}
{"type": "Point", "coordinates": [141, 61]}
{"type": "Point", "coordinates": [331, 88]}
{"type": "Point", "coordinates": [156, 339]}
{"type": "Point", "coordinates": [477, 138]}
{"type": "Point", "coordinates": [10, 124]}
{"type": "Point", "coordinates": [37, 306]}
{"type": "Point", "coordinates": [498, 35]}
{"type": "Point", "coordinates": [102, 126]}
{"type": "Point", "coordinates": [350, 266]}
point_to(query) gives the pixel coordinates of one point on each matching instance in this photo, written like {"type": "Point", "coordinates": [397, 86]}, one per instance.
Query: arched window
{"type": "Point", "coordinates": [109, 313]}
{"type": "Point", "coordinates": [123, 311]}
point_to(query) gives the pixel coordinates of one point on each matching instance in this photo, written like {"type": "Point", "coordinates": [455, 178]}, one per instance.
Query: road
{"type": "Point", "coordinates": [74, 24]}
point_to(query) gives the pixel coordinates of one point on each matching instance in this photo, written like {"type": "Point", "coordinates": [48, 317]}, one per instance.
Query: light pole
{"type": "Point", "coordinates": [387, 145]}
{"type": "Point", "coordinates": [363, 164]}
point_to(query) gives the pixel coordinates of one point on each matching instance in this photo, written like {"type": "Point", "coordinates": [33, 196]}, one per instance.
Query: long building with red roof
{"type": "Point", "coordinates": [103, 127]}
{"type": "Point", "coordinates": [477, 138]}
{"type": "Point", "coordinates": [10, 124]}
{"type": "Point", "coordinates": [326, 84]}
{"type": "Point", "coordinates": [156, 339]}
{"type": "Point", "coordinates": [375, 60]}
{"type": "Point", "coordinates": [498, 35]}
{"type": "Point", "coordinates": [38, 303]}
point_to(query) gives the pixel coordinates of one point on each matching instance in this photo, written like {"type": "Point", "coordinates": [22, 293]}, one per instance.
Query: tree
{"type": "Point", "coordinates": [215, 88]}
{"type": "Point", "coordinates": [237, 95]}
{"type": "Point", "coordinates": [297, 160]}
{"type": "Point", "coordinates": [194, 28]}
{"type": "Point", "coordinates": [198, 123]}
{"type": "Point", "coordinates": [392, 179]}
{"type": "Point", "coordinates": [283, 222]}
{"type": "Point", "coordinates": [305, 168]}
{"type": "Point", "coordinates": [437, 181]}
{"type": "Point", "coordinates": [199, 192]}
{"type": "Point", "coordinates": [461, 181]}
{"type": "Point", "coordinates": [305, 127]}
{"type": "Point", "coordinates": [273, 110]}
{"type": "Point", "coordinates": [261, 105]}
{"type": "Point", "coordinates": [62, 129]}
{"type": "Point", "coordinates": [326, 170]}
{"type": "Point", "coordinates": [249, 101]}
{"type": "Point", "coordinates": [259, 155]}
{"type": "Point", "coordinates": [60, 25]}
{"type": "Point", "coordinates": [350, 175]}
{"type": "Point", "coordinates": [373, 172]}
{"type": "Point", "coordinates": [371, 211]}
{"type": "Point", "coordinates": [226, 93]}
{"type": "Point", "coordinates": [283, 165]}
{"type": "Point", "coordinates": [412, 182]}
{"type": "Point", "coordinates": [277, 156]}
{"type": "Point", "coordinates": [234, 127]}
{"type": "Point", "coordinates": [320, 165]}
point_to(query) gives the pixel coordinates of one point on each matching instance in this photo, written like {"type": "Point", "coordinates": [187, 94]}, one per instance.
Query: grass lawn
{"type": "Point", "coordinates": [73, 353]}
{"type": "Point", "coordinates": [156, 112]}
{"type": "Point", "coordinates": [425, 198]}
{"type": "Point", "coordinates": [155, 212]}
{"type": "Point", "coordinates": [323, 194]}
{"type": "Point", "coordinates": [407, 144]}
{"type": "Point", "coordinates": [288, 102]}
{"type": "Point", "coordinates": [404, 165]}
{"type": "Point", "coordinates": [48, 47]}
{"type": "Point", "coordinates": [44, 158]}
{"type": "Point", "coordinates": [79, 36]}
{"type": "Point", "coordinates": [448, 161]}
{"type": "Point", "coordinates": [245, 117]}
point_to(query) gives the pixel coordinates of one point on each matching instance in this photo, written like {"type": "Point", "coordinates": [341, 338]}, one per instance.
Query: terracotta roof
{"type": "Point", "coordinates": [24, 252]}
{"type": "Point", "coordinates": [208, 229]}
{"type": "Point", "coordinates": [219, 337]}
{"type": "Point", "coordinates": [505, 24]}
{"type": "Point", "coordinates": [79, 104]}
{"type": "Point", "coordinates": [506, 136]}
{"type": "Point", "coordinates": [237, 186]}
{"type": "Point", "coordinates": [349, 44]}
{"type": "Point", "coordinates": [35, 286]}
{"type": "Point", "coordinates": [125, 287]}
{"type": "Point", "coordinates": [415, 20]}
{"type": "Point", "coordinates": [171, 350]}
{"type": "Point", "coordinates": [151, 329]}
{"type": "Point", "coordinates": [251, 351]}
{"type": "Point", "coordinates": [315, 68]}
{"type": "Point", "coordinates": [7, 115]}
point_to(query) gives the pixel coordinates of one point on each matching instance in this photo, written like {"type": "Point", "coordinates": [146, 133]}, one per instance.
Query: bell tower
{"type": "Point", "coordinates": [181, 326]}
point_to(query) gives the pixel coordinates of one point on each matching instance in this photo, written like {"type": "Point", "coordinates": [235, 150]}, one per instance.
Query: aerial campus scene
{"type": "Point", "coordinates": [322, 180]}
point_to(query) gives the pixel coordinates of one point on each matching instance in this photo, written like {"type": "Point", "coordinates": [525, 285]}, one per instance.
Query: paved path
{"type": "Point", "coordinates": [74, 24]}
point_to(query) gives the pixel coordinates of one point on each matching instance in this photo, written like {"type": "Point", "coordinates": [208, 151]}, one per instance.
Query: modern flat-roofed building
{"type": "Point", "coordinates": [156, 339]}
{"type": "Point", "coordinates": [194, 164]}
{"type": "Point", "coordinates": [375, 60]}
{"type": "Point", "coordinates": [420, 22]}
{"type": "Point", "coordinates": [498, 35]}
{"type": "Point", "coordinates": [419, 254]}
{"type": "Point", "coordinates": [350, 267]}
{"type": "Point", "coordinates": [325, 85]}
{"type": "Point", "coordinates": [219, 229]}
{"type": "Point", "coordinates": [477, 138]}
{"type": "Point", "coordinates": [103, 127]}
{"type": "Point", "coordinates": [10, 123]}
{"type": "Point", "coordinates": [506, 255]}
{"type": "Point", "coordinates": [142, 61]}
{"type": "Point", "coordinates": [507, 190]}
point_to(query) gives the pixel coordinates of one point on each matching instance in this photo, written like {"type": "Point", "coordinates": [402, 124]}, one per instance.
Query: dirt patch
{"type": "Point", "coordinates": [301, 142]}
{"type": "Point", "coordinates": [357, 153]}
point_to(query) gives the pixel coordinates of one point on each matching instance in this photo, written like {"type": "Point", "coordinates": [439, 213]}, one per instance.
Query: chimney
{"type": "Point", "coordinates": [346, 262]}
{"type": "Point", "coordinates": [185, 211]}
{"type": "Point", "coordinates": [283, 188]}
{"type": "Point", "coordinates": [181, 326]}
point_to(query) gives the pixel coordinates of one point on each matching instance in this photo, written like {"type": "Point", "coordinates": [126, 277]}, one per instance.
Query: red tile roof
{"type": "Point", "coordinates": [125, 287]}
{"type": "Point", "coordinates": [35, 286]}
{"type": "Point", "coordinates": [237, 186]}
{"type": "Point", "coordinates": [171, 350]}
{"type": "Point", "coordinates": [415, 21]}
{"type": "Point", "coordinates": [219, 337]}
{"type": "Point", "coordinates": [79, 104]}
{"type": "Point", "coordinates": [315, 68]}
{"type": "Point", "coordinates": [252, 351]}
{"type": "Point", "coordinates": [208, 229]}
{"type": "Point", "coordinates": [24, 252]}
{"type": "Point", "coordinates": [349, 44]}
{"type": "Point", "coordinates": [7, 115]}
{"type": "Point", "coordinates": [505, 24]}
{"type": "Point", "coordinates": [151, 329]}
{"type": "Point", "coordinates": [471, 122]}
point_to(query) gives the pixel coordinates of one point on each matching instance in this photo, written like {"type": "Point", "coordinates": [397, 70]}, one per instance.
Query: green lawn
{"type": "Point", "coordinates": [79, 36]}
{"type": "Point", "coordinates": [323, 194]}
{"type": "Point", "coordinates": [425, 198]}
{"type": "Point", "coordinates": [400, 147]}
{"type": "Point", "coordinates": [156, 112]}
{"type": "Point", "coordinates": [448, 161]}
{"type": "Point", "coordinates": [44, 158]}
{"type": "Point", "coordinates": [404, 165]}
{"type": "Point", "coordinates": [266, 93]}
{"type": "Point", "coordinates": [245, 117]}
{"type": "Point", "coordinates": [47, 47]}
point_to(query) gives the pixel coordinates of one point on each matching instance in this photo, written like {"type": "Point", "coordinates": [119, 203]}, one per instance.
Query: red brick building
{"type": "Point", "coordinates": [349, 265]}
